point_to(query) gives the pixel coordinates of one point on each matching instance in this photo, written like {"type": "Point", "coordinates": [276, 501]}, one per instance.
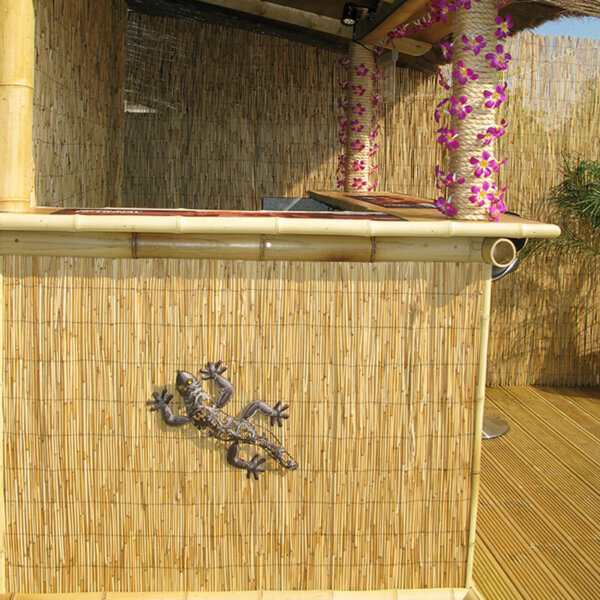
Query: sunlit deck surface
{"type": "Point", "coordinates": [538, 525]}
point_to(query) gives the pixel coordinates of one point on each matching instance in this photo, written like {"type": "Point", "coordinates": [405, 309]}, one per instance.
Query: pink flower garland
{"type": "Point", "coordinates": [357, 107]}
{"type": "Point", "coordinates": [498, 59]}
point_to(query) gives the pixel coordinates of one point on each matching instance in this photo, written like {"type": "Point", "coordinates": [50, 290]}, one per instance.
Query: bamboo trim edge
{"type": "Point", "coordinates": [395, 594]}
{"type": "Point", "coordinates": [246, 247]}
{"type": "Point", "coordinates": [241, 225]}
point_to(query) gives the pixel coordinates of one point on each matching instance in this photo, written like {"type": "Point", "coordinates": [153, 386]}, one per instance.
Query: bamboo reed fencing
{"type": "Point", "coordinates": [378, 364]}
{"type": "Point", "coordinates": [78, 102]}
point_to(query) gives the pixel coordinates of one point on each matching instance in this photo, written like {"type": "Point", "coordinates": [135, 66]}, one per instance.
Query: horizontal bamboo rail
{"type": "Point", "coordinates": [243, 225]}
{"type": "Point", "coordinates": [416, 594]}
{"type": "Point", "coordinates": [254, 247]}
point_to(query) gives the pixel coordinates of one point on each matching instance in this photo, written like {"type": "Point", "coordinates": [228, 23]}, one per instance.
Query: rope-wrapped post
{"type": "Point", "coordinates": [17, 50]}
{"type": "Point", "coordinates": [472, 103]}
{"type": "Point", "coordinates": [359, 119]}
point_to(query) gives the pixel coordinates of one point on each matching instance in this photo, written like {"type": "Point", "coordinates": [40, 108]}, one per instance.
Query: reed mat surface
{"type": "Point", "coordinates": [377, 363]}
{"type": "Point", "coordinates": [78, 102]}
{"type": "Point", "coordinates": [539, 510]}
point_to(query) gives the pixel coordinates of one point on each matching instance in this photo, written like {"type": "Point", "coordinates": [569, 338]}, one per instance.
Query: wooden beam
{"type": "Point", "coordinates": [402, 12]}
{"type": "Point", "coordinates": [286, 14]}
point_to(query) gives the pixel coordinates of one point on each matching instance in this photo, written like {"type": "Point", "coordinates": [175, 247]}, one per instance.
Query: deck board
{"type": "Point", "coordinates": [538, 526]}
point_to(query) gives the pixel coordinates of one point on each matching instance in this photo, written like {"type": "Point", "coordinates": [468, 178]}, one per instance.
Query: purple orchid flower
{"type": "Point", "coordinates": [496, 210]}
{"type": "Point", "coordinates": [375, 132]}
{"type": "Point", "coordinates": [482, 194]}
{"type": "Point", "coordinates": [446, 179]}
{"type": "Point", "coordinates": [499, 59]}
{"type": "Point", "coordinates": [484, 164]}
{"type": "Point", "coordinates": [448, 138]}
{"type": "Point", "coordinates": [460, 107]}
{"type": "Point", "coordinates": [358, 165]}
{"type": "Point", "coordinates": [357, 146]}
{"type": "Point", "coordinates": [445, 207]}
{"type": "Point", "coordinates": [476, 44]}
{"type": "Point", "coordinates": [464, 74]}
{"type": "Point", "coordinates": [359, 90]}
{"type": "Point", "coordinates": [342, 104]}
{"type": "Point", "coordinates": [497, 97]}
{"type": "Point", "coordinates": [358, 183]}
{"type": "Point", "coordinates": [359, 109]}
{"type": "Point", "coordinates": [444, 9]}
{"type": "Point", "coordinates": [446, 50]}
{"type": "Point", "coordinates": [504, 26]}
{"type": "Point", "coordinates": [438, 110]}
{"type": "Point", "coordinates": [443, 81]}
{"type": "Point", "coordinates": [361, 70]}
{"type": "Point", "coordinates": [492, 133]}
{"type": "Point", "coordinates": [373, 150]}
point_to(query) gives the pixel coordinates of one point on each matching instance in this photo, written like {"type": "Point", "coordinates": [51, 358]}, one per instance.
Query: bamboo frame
{"type": "Point", "coordinates": [243, 225]}
{"type": "Point", "coordinates": [478, 420]}
{"type": "Point", "coordinates": [17, 33]}
{"type": "Point", "coordinates": [257, 247]}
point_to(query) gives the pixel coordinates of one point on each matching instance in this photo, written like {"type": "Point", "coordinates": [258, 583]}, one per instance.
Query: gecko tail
{"type": "Point", "coordinates": [277, 452]}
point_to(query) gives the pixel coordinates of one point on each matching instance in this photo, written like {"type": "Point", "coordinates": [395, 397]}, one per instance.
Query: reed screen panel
{"type": "Point", "coordinates": [377, 363]}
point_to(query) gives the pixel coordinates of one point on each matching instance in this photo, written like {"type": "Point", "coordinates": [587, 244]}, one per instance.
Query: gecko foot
{"type": "Point", "coordinates": [255, 466]}
{"type": "Point", "coordinates": [212, 370]}
{"type": "Point", "coordinates": [159, 401]}
{"type": "Point", "coordinates": [279, 414]}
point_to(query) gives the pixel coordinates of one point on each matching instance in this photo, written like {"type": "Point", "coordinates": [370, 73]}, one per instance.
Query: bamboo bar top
{"type": "Point", "coordinates": [182, 221]}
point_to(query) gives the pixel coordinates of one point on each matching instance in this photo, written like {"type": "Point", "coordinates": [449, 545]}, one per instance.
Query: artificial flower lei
{"type": "Point", "coordinates": [354, 104]}
{"type": "Point", "coordinates": [488, 44]}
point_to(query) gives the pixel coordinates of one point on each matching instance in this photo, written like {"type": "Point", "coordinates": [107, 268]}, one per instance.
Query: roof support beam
{"type": "Point", "coordinates": [286, 14]}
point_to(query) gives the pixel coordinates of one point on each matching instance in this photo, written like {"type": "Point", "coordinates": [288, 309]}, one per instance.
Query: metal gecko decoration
{"type": "Point", "coordinates": [210, 419]}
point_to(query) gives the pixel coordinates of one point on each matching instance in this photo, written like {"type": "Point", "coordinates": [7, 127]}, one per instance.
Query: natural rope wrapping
{"type": "Point", "coordinates": [476, 21]}
{"type": "Point", "coordinates": [359, 117]}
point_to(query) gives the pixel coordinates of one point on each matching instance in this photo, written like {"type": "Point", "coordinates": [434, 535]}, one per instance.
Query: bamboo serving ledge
{"type": "Point", "coordinates": [118, 233]}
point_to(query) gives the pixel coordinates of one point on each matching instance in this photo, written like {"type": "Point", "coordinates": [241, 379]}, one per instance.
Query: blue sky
{"type": "Point", "coordinates": [585, 27]}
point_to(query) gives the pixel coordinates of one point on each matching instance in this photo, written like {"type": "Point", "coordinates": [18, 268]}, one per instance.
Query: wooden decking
{"type": "Point", "coordinates": [538, 525]}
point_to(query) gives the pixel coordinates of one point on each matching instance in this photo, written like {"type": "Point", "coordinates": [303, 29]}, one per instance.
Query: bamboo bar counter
{"type": "Point", "coordinates": [371, 325]}
{"type": "Point", "coordinates": [372, 328]}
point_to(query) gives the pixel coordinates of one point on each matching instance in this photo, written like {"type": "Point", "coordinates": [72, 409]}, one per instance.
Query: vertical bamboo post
{"type": "Point", "coordinates": [472, 23]}
{"type": "Point", "coordinates": [2, 376]}
{"type": "Point", "coordinates": [17, 51]}
{"type": "Point", "coordinates": [478, 418]}
{"type": "Point", "coordinates": [359, 115]}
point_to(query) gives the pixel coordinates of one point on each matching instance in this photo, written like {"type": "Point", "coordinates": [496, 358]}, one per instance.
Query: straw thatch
{"type": "Point", "coordinates": [378, 366]}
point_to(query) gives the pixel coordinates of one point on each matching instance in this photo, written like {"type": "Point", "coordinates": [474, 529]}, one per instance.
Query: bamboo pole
{"type": "Point", "coordinates": [243, 225]}
{"type": "Point", "coordinates": [255, 247]}
{"type": "Point", "coordinates": [17, 48]}
{"type": "Point", "coordinates": [478, 420]}
{"type": "Point", "coordinates": [2, 492]}
{"type": "Point", "coordinates": [500, 252]}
